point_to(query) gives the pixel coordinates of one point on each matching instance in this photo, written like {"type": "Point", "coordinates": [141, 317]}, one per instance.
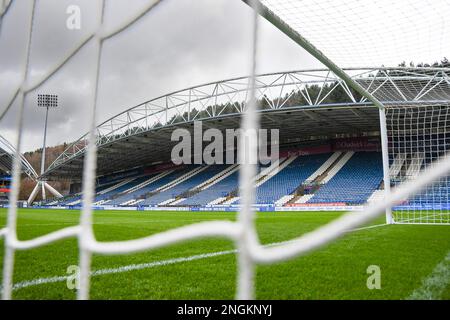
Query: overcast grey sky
{"type": "Point", "coordinates": [183, 43]}
{"type": "Point", "coordinates": [180, 43]}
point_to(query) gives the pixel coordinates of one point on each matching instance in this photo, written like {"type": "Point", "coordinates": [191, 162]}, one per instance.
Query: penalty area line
{"type": "Point", "coordinates": [148, 265]}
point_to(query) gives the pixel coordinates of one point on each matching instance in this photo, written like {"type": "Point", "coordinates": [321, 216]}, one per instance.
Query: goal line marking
{"type": "Point", "coordinates": [434, 285]}
{"type": "Point", "coordinates": [148, 265]}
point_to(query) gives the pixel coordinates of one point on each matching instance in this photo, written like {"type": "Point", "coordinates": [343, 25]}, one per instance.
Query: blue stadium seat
{"type": "Point", "coordinates": [290, 178]}
{"type": "Point", "coordinates": [355, 182]}
{"type": "Point", "coordinates": [220, 189]}
{"type": "Point", "coordinates": [185, 185]}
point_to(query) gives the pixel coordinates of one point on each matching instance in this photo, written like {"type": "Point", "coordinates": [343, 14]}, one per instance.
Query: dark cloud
{"type": "Point", "coordinates": [180, 43]}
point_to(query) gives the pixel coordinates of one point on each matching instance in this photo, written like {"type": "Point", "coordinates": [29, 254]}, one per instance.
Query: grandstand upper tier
{"type": "Point", "coordinates": [308, 107]}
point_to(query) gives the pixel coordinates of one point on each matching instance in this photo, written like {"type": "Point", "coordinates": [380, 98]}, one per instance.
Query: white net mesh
{"type": "Point", "coordinates": [419, 136]}
{"type": "Point", "coordinates": [350, 32]}
{"type": "Point", "coordinates": [372, 32]}
{"type": "Point", "coordinates": [388, 33]}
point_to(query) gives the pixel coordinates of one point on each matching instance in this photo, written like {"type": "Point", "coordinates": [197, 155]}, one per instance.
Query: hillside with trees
{"type": "Point", "coordinates": [34, 158]}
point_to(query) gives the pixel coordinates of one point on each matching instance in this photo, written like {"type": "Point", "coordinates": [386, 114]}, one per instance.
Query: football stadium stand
{"type": "Point", "coordinates": [158, 182]}
{"type": "Point", "coordinates": [213, 192]}
{"type": "Point", "coordinates": [354, 182]}
{"type": "Point", "coordinates": [171, 192]}
{"type": "Point", "coordinates": [346, 177]}
{"type": "Point", "coordinates": [289, 178]}
{"type": "Point", "coordinates": [436, 194]}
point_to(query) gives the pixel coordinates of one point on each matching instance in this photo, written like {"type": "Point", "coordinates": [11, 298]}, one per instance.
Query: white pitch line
{"type": "Point", "coordinates": [131, 267]}
{"type": "Point", "coordinates": [127, 268]}
{"type": "Point", "coordinates": [148, 265]}
{"type": "Point", "coordinates": [368, 227]}
{"type": "Point", "coordinates": [434, 285]}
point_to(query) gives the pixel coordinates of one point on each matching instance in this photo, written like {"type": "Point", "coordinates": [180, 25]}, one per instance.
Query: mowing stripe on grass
{"type": "Point", "coordinates": [434, 285]}
{"type": "Point", "coordinates": [102, 223]}
{"type": "Point", "coordinates": [131, 267]}
{"type": "Point", "coordinates": [148, 265]}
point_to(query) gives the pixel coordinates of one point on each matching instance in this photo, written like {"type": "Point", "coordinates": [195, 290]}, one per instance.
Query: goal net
{"type": "Point", "coordinates": [336, 33]}
{"type": "Point", "coordinates": [413, 111]}
{"type": "Point", "coordinates": [419, 136]}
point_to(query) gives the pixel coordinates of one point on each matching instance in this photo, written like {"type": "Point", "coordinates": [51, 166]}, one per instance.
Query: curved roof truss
{"type": "Point", "coordinates": [7, 152]}
{"type": "Point", "coordinates": [276, 91]}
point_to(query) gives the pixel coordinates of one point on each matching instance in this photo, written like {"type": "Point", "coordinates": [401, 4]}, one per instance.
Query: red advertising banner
{"type": "Point", "coordinates": [346, 144]}
{"type": "Point", "coordinates": [357, 144]}
{"type": "Point", "coordinates": [307, 151]}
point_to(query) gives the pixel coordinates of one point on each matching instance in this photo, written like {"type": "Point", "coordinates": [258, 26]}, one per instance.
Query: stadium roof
{"type": "Point", "coordinates": [305, 105]}
{"type": "Point", "coordinates": [7, 152]}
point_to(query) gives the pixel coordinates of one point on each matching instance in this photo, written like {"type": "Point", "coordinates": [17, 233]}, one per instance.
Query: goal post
{"type": "Point", "coordinates": [420, 142]}
{"type": "Point", "coordinates": [339, 72]}
{"type": "Point", "coordinates": [419, 137]}
{"type": "Point", "coordinates": [385, 159]}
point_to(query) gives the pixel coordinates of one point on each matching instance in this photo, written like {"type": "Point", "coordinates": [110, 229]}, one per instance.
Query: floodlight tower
{"type": "Point", "coordinates": [46, 101]}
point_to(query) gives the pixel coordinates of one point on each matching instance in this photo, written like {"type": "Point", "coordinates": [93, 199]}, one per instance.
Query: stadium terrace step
{"type": "Point", "coordinates": [184, 187]}
{"type": "Point", "coordinates": [135, 202]}
{"type": "Point", "coordinates": [113, 194]}
{"type": "Point", "coordinates": [267, 170]}
{"type": "Point", "coordinates": [217, 178]}
{"type": "Point", "coordinates": [324, 167]}
{"type": "Point", "coordinates": [182, 178]}
{"type": "Point", "coordinates": [74, 199]}
{"type": "Point", "coordinates": [118, 185]}
{"type": "Point", "coordinates": [222, 188]}
{"type": "Point", "coordinates": [283, 200]}
{"type": "Point", "coordinates": [217, 201]}
{"type": "Point", "coordinates": [231, 200]}
{"type": "Point", "coordinates": [415, 165]}
{"type": "Point", "coordinates": [286, 180]}
{"type": "Point", "coordinates": [397, 165]}
{"type": "Point", "coordinates": [378, 195]}
{"type": "Point", "coordinates": [165, 202]}
{"type": "Point", "coordinates": [304, 199]}
{"type": "Point", "coordinates": [338, 166]}
{"type": "Point", "coordinates": [149, 181]}
{"type": "Point", "coordinates": [101, 202]}
{"type": "Point", "coordinates": [128, 202]}
{"type": "Point", "coordinates": [147, 185]}
{"type": "Point", "coordinates": [177, 201]}
{"type": "Point", "coordinates": [74, 203]}
{"type": "Point", "coordinates": [229, 173]}
{"type": "Point", "coordinates": [275, 169]}
{"type": "Point", "coordinates": [354, 182]}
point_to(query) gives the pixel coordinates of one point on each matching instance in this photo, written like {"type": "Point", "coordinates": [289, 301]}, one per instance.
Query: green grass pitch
{"type": "Point", "coordinates": [406, 255]}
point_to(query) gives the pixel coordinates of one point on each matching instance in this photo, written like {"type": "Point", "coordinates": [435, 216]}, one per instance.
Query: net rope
{"type": "Point", "coordinates": [370, 33]}
{"type": "Point", "coordinates": [419, 136]}
{"type": "Point", "coordinates": [242, 232]}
